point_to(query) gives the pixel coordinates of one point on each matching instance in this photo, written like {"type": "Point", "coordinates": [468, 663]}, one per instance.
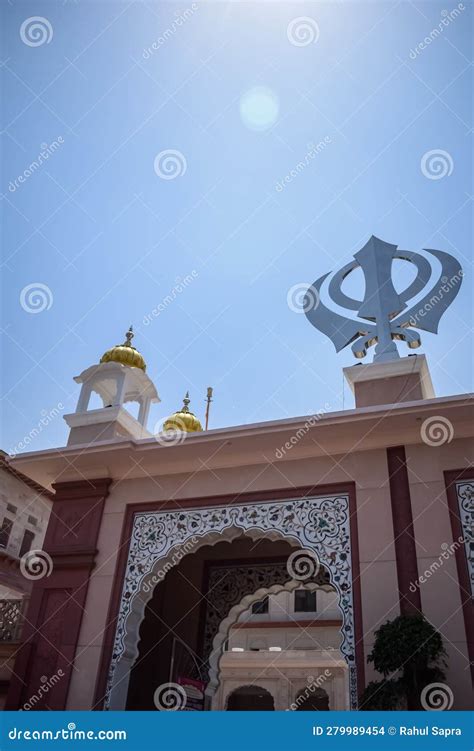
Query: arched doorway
{"type": "Point", "coordinates": [159, 540]}
{"type": "Point", "coordinates": [250, 698]}
{"type": "Point", "coordinates": [175, 634]}
{"type": "Point", "coordinates": [312, 701]}
{"type": "Point", "coordinates": [184, 614]}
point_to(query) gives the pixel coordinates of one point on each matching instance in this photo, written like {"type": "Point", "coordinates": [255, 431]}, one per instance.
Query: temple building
{"type": "Point", "coordinates": [248, 567]}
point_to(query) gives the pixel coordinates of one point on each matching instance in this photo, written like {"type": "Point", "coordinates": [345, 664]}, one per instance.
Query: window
{"type": "Point", "coordinates": [257, 645]}
{"type": "Point", "coordinates": [27, 542]}
{"type": "Point", "coordinates": [32, 520]}
{"type": "Point", "coordinates": [305, 601]}
{"type": "Point", "coordinates": [11, 508]}
{"type": "Point", "coordinates": [260, 607]}
{"type": "Point", "coordinates": [5, 531]}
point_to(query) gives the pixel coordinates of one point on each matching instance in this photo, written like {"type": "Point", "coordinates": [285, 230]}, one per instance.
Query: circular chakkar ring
{"type": "Point", "coordinates": [424, 272]}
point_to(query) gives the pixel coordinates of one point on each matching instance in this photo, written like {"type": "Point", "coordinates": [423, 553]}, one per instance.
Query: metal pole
{"type": "Point", "coordinates": [209, 400]}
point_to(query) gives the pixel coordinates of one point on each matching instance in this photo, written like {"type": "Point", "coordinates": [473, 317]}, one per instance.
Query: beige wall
{"type": "Point", "coordinates": [304, 637]}
{"type": "Point", "coordinates": [439, 589]}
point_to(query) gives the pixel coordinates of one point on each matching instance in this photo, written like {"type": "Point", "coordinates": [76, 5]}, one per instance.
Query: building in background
{"type": "Point", "coordinates": [25, 507]}
{"type": "Point", "coordinates": [289, 644]}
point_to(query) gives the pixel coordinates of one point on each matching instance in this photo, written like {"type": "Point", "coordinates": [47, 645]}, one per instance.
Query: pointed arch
{"type": "Point", "coordinates": [319, 524]}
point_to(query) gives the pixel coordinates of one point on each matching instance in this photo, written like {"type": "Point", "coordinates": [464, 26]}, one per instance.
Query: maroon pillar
{"type": "Point", "coordinates": [404, 535]}
{"type": "Point", "coordinates": [54, 616]}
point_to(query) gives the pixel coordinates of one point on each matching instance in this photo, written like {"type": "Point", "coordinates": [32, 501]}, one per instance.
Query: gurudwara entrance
{"type": "Point", "coordinates": [255, 610]}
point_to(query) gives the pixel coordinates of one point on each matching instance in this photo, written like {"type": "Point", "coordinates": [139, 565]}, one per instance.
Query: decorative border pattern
{"type": "Point", "coordinates": [317, 523]}
{"type": "Point", "coordinates": [465, 496]}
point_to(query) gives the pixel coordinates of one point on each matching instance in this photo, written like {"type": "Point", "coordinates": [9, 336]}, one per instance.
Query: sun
{"type": "Point", "coordinates": [259, 108]}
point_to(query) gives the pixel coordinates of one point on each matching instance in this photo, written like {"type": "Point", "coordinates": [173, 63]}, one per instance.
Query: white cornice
{"type": "Point", "coordinates": [271, 426]}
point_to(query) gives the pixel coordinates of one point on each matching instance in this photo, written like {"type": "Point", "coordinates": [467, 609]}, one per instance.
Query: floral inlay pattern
{"type": "Point", "coordinates": [465, 494]}
{"type": "Point", "coordinates": [320, 524]}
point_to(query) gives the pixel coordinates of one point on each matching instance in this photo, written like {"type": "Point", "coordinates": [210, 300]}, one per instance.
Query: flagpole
{"type": "Point", "coordinates": [209, 400]}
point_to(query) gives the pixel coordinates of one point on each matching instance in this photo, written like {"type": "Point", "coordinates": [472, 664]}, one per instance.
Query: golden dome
{"type": "Point", "coordinates": [125, 353]}
{"type": "Point", "coordinates": [183, 419]}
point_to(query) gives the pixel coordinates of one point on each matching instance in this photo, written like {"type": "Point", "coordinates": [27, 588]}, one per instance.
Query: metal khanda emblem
{"type": "Point", "coordinates": [384, 314]}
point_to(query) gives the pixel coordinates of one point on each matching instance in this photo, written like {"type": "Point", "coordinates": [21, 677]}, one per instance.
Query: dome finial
{"type": "Point", "coordinates": [128, 337]}
{"type": "Point", "coordinates": [125, 353]}
{"type": "Point", "coordinates": [184, 420]}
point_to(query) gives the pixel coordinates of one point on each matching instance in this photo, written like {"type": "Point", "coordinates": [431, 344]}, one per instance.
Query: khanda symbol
{"type": "Point", "coordinates": [384, 313]}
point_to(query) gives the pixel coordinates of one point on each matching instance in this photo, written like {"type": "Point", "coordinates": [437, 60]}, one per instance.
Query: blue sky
{"type": "Point", "coordinates": [110, 238]}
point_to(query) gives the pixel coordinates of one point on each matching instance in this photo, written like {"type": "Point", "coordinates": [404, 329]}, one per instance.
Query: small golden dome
{"type": "Point", "coordinates": [125, 353]}
{"type": "Point", "coordinates": [183, 420]}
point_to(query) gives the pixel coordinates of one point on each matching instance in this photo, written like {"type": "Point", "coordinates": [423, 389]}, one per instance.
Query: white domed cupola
{"type": "Point", "coordinates": [118, 379]}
